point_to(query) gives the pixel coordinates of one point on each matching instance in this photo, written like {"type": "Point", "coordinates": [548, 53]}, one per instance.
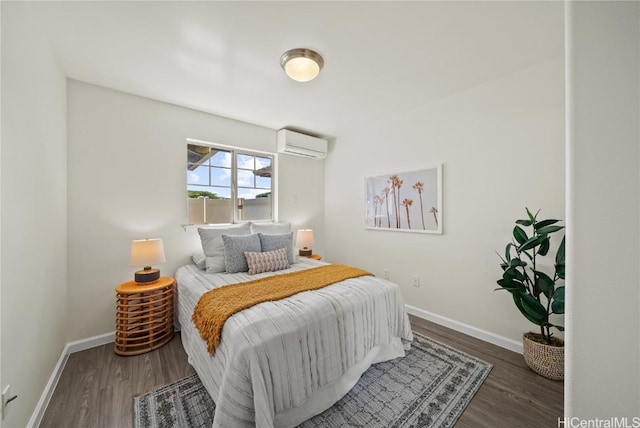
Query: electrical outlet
{"type": "Point", "coordinates": [6, 395]}
{"type": "Point", "coordinates": [386, 274]}
{"type": "Point", "coordinates": [416, 281]}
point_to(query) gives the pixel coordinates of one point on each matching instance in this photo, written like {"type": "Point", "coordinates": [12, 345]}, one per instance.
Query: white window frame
{"type": "Point", "coordinates": [235, 151]}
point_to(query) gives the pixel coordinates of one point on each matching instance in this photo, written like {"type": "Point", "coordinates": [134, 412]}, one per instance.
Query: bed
{"type": "Point", "coordinates": [280, 363]}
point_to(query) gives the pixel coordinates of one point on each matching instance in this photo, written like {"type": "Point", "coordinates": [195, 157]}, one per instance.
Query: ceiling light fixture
{"type": "Point", "coordinates": [301, 64]}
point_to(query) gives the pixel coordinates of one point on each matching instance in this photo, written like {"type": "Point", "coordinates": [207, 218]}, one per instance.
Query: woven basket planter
{"type": "Point", "coordinates": [546, 360]}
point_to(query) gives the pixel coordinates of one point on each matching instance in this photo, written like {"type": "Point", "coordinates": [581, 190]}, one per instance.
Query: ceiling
{"type": "Point", "coordinates": [381, 58]}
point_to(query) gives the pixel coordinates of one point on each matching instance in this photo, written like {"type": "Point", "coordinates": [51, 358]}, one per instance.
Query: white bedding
{"type": "Point", "coordinates": [280, 363]}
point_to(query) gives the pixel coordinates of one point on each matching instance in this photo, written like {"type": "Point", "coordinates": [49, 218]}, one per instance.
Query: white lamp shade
{"type": "Point", "coordinates": [146, 252]}
{"type": "Point", "coordinates": [304, 238]}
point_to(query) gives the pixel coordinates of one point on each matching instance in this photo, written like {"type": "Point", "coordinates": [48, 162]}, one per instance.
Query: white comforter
{"type": "Point", "coordinates": [279, 363]}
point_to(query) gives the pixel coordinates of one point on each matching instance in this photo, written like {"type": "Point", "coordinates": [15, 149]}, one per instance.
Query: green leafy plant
{"type": "Point", "coordinates": [536, 294]}
{"type": "Point", "coordinates": [199, 193]}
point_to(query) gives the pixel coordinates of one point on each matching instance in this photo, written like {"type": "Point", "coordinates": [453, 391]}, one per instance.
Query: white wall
{"type": "Point", "coordinates": [603, 244]}
{"type": "Point", "coordinates": [127, 156]}
{"type": "Point", "coordinates": [126, 152]}
{"type": "Point", "coordinates": [301, 196]}
{"type": "Point", "coordinates": [34, 222]}
{"type": "Point", "coordinates": [502, 146]}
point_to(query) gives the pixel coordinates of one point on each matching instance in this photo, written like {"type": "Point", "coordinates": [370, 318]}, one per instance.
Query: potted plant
{"type": "Point", "coordinates": [537, 294]}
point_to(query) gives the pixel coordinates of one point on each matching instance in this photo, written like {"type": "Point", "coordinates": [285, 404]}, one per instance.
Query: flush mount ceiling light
{"type": "Point", "coordinates": [301, 64]}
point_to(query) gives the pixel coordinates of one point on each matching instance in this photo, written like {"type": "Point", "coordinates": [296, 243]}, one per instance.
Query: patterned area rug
{"type": "Point", "coordinates": [430, 387]}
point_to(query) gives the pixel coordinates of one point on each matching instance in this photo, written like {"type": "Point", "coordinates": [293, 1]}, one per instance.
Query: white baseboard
{"type": "Point", "coordinates": [69, 348]}
{"type": "Point", "coordinates": [503, 342]}
{"type": "Point", "coordinates": [43, 402]}
{"type": "Point", "coordinates": [91, 342]}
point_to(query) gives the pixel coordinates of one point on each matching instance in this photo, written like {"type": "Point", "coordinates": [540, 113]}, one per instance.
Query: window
{"type": "Point", "coordinates": [228, 185]}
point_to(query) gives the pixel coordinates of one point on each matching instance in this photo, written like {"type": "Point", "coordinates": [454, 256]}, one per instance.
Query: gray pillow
{"type": "Point", "coordinates": [213, 247]}
{"type": "Point", "coordinates": [234, 248]}
{"type": "Point", "coordinates": [271, 228]}
{"type": "Point", "coordinates": [275, 242]}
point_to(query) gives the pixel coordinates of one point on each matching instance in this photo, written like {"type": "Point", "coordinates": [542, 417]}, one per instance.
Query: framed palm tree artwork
{"type": "Point", "coordinates": [407, 201]}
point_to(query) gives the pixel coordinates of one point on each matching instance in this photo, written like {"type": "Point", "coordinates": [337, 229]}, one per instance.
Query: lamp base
{"type": "Point", "coordinates": [147, 276]}
{"type": "Point", "coordinates": [304, 251]}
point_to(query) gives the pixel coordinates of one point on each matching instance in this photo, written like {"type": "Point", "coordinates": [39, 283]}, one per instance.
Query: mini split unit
{"type": "Point", "coordinates": [297, 144]}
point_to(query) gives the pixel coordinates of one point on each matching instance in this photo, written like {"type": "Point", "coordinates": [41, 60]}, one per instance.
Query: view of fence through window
{"type": "Point", "coordinates": [227, 185]}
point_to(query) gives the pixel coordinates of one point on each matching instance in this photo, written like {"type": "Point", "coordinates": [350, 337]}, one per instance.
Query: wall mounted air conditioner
{"type": "Point", "coordinates": [297, 144]}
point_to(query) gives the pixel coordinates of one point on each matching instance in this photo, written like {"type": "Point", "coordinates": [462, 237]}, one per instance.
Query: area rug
{"type": "Point", "coordinates": [430, 387]}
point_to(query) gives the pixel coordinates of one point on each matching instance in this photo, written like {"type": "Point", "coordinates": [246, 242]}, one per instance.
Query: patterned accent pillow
{"type": "Point", "coordinates": [281, 240]}
{"type": "Point", "coordinates": [234, 248]}
{"type": "Point", "coordinates": [269, 261]}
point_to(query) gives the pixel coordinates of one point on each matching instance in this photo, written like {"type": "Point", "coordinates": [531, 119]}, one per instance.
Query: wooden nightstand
{"type": "Point", "coordinates": [314, 257]}
{"type": "Point", "coordinates": [144, 318]}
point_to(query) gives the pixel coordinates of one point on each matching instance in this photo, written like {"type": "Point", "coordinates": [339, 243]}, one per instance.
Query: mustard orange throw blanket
{"type": "Point", "coordinates": [217, 305]}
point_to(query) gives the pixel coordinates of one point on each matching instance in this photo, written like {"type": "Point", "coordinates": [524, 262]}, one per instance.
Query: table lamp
{"type": "Point", "coordinates": [144, 253]}
{"type": "Point", "coordinates": [304, 240]}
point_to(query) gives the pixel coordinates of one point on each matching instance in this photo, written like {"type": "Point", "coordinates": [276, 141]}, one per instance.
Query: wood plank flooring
{"type": "Point", "coordinates": [97, 387]}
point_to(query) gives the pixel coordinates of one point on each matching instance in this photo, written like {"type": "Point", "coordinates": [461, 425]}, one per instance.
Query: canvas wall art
{"type": "Point", "coordinates": [407, 201]}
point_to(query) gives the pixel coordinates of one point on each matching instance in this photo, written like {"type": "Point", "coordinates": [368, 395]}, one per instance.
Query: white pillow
{"type": "Point", "coordinates": [269, 261]}
{"type": "Point", "coordinates": [270, 228]}
{"type": "Point", "coordinates": [198, 259]}
{"type": "Point", "coordinates": [211, 239]}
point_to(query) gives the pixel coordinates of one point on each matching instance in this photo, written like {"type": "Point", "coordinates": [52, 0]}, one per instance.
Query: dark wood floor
{"type": "Point", "coordinates": [96, 388]}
